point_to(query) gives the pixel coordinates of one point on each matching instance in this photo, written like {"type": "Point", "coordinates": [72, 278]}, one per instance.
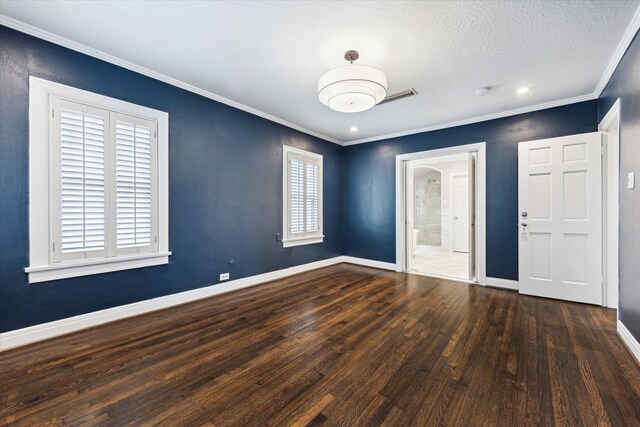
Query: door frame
{"type": "Point", "coordinates": [451, 214]}
{"type": "Point", "coordinates": [609, 125]}
{"type": "Point", "coordinates": [401, 203]}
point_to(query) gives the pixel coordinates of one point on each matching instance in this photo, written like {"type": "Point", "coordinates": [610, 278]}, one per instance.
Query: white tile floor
{"type": "Point", "coordinates": [454, 265]}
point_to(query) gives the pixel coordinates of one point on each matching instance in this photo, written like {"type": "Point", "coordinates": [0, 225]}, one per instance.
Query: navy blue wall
{"type": "Point", "coordinates": [369, 180]}
{"type": "Point", "coordinates": [217, 209]}
{"type": "Point", "coordinates": [225, 188]}
{"type": "Point", "coordinates": [625, 84]}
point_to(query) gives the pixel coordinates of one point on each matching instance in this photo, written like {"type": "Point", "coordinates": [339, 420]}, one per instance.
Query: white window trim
{"type": "Point", "coordinates": [287, 240]}
{"type": "Point", "coordinates": [41, 268]}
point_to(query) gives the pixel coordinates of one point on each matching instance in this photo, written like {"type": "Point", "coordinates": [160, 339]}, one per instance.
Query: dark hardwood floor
{"type": "Point", "coordinates": [342, 345]}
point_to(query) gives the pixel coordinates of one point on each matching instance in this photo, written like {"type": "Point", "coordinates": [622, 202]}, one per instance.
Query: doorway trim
{"type": "Point", "coordinates": [401, 202]}
{"type": "Point", "coordinates": [610, 126]}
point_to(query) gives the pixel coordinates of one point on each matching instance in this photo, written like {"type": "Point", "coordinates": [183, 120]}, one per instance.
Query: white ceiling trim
{"type": "Point", "coordinates": [78, 47]}
{"type": "Point", "coordinates": [624, 44]}
{"type": "Point", "coordinates": [477, 119]}
{"type": "Point", "coordinates": [626, 40]}
{"type": "Point", "coordinates": [622, 47]}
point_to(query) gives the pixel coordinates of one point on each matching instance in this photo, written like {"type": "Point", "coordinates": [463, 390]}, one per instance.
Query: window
{"type": "Point", "coordinates": [302, 197]}
{"type": "Point", "coordinates": [98, 182]}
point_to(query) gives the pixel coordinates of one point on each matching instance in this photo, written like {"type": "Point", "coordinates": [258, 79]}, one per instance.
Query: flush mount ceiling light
{"type": "Point", "coordinates": [352, 88]}
{"type": "Point", "coordinates": [522, 90]}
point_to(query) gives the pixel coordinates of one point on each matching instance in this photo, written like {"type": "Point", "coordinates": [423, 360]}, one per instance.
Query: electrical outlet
{"type": "Point", "coordinates": [224, 276]}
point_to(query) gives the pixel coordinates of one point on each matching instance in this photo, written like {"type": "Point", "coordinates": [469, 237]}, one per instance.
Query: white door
{"type": "Point", "coordinates": [560, 218]}
{"type": "Point", "coordinates": [460, 186]}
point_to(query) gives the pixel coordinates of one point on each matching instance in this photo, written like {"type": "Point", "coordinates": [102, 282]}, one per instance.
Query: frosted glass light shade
{"type": "Point", "coordinates": [352, 88]}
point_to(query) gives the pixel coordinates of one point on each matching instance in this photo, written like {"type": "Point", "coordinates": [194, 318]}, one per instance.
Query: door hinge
{"type": "Point", "coordinates": [54, 246]}
{"type": "Point", "coordinates": [155, 134]}
{"type": "Point", "coordinates": [155, 239]}
{"type": "Point", "coordinates": [53, 113]}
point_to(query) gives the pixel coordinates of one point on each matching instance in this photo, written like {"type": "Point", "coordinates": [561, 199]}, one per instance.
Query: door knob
{"type": "Point", "coordinates": [524, 214]}
{"type": "Point", "coordinates": [524, 224]}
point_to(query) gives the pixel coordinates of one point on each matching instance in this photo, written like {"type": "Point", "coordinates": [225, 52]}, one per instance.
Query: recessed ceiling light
{"type": "Point", "coordinates": [353, 128]}
{"type": "Point", "coordinates": [523, 90]}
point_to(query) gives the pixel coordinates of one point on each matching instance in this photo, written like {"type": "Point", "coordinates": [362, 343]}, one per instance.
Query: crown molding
{"type": "Point", "coordinates": [79, 47]}
{"type": "Point", "coordinates": [622, 47]}
{"type": "Point", "coordinates": [477, 119]}
{"type": "Point", "coordinates": [624, 44]}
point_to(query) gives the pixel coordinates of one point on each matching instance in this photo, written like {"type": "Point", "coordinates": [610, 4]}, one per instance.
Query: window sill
{"type": "Point", "coordinates": [303, 241]}
{"type": "Point", "coordinates": [84, 268]}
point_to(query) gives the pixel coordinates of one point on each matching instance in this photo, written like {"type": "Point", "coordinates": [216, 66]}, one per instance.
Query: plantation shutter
{"type": "Point", "coordinates": [80, 135]}
{"type": "Point", "coordinates": [311, 177]}
{"type": "Point", "coordinates": [296, 215]}
{"type": "Point", "coordinates": [303, 195]}
{"type": "Point", "coordinates": [135, 184]}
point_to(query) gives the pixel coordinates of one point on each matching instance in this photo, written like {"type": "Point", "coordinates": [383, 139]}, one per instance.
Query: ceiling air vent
{"type": "Point", "coordinates": [398, 96]}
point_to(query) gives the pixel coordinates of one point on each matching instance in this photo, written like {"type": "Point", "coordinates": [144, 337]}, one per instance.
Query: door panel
{"type": "Point", "coordinates": [540, 196]}
{"type": "Point", "coordinates": [560, 218]}
{"type": "Point", "coordinates": [541, 264]}
{"type": "Point", "coordinates": [575, 199]}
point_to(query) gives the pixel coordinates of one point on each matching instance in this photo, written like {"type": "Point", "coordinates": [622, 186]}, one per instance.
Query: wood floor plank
{"type": "Point", "coordinates": [341, 345]}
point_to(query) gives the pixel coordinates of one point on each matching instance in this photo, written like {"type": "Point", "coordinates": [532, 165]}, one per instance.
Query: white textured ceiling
{"type": "Point", "coordinates": [269, 55]}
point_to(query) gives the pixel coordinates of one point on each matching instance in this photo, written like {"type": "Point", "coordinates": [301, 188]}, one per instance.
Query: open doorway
{"type": "Point", "coordinates": [440, 212]}
{"type": "Point", "coordinates": [439, 216]}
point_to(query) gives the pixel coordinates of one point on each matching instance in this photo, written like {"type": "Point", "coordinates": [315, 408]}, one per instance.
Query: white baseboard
{"type": "Point", "coordinates": [502, 283]}
{"type": "Point", "coordinates": [370, 263]}
{"type": "Point", "coordinates": [47, 330]}
{"type": "Point", "coordinates": [629, 340]}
